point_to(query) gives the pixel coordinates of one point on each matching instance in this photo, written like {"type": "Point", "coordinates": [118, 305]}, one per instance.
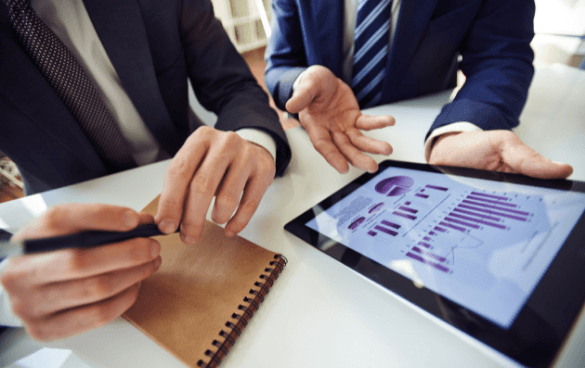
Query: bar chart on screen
{"type": "Point", "coordinates": [452, 228]}
{"type": "Point", "coordinates": [472, 219]}
{"type": "Point", "coordinates": [485, 246]}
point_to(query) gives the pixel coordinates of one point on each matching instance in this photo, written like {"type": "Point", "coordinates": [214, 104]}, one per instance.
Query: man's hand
{"type": "Point", "coordinates": [496, 150]}
{"type": "Point", "coordinates": [63, 293]}
{"type": "Point", "coordinates": [214, 163]}
{"type": "Point", "coordinates": [329, 112]}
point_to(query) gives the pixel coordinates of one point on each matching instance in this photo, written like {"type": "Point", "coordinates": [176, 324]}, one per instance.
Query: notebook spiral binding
{"type": "Point", "coordinates": [239, 321]}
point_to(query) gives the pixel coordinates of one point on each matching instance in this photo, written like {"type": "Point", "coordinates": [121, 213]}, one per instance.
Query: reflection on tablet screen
{"type": "Point", "coordinates": [484, 245]}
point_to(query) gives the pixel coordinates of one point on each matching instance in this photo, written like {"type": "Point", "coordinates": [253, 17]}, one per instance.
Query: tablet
{"type": "Point", "coordinates": [499, 256]}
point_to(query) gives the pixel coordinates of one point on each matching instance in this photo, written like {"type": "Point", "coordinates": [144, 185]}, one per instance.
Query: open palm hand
{"type": "Point", "coordinates": [496, 150]}
{"type": "Point", "coordinates": [329, 112]}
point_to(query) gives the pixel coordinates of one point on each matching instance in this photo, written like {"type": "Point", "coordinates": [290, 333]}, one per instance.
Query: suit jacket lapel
{"type": "Point", "coordinates": [328, 19]}
{"type": "Point", "coordinates": [24, 85]}
{"type": "Point", "coordinates": [412, 24]}
{"type": "Point", "coordinates": [120, 27]}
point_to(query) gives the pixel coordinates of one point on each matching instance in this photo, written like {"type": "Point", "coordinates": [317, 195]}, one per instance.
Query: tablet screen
{"type": "Point", "coordinates": [482, 241]}
{"type": "Point", "coordinates": [482, 246]}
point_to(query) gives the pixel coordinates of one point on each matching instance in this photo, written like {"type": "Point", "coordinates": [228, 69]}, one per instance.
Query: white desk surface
{"type": "Point", "coordinates": [320, 313]}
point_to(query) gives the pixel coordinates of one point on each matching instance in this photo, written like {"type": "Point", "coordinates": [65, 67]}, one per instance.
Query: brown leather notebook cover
{"type": "Point", "coordinates": [201, 298]}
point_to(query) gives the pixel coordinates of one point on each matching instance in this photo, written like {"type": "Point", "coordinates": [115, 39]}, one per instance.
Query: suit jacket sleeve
{"type": "Point", "coordinates": [497, 62]}
{"type": "Point", "coordinates": [285, 52]}
{"type": "Point", "coordinates": [223, 82]}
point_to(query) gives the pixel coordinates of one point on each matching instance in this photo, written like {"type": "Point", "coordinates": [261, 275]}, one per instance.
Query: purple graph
{"type": "Point", "coordinates": [376, 208]}
{"type": "Point", "coordinates": [429, 254]}
{"type": "Point", "coordinates": [451, 226]}
{"type": "Point", "coordinates": [438, 266]}
{"type": "Point", "coordinates": [356, 223]}
{"type": "Point", "coordinates": [481, 209]}
{"type": "Point", "coordinates": [426, 245]}
{"type": "Point", "coordinates": [390, 224]}
{"type": "Point", "coordinates": [396, 191]}
{"type": "Point", "coordinates": [436, 187]}
{"type": "Point", "coordinates": [489, 195]}
{"type": "Point", "coordinates": [405, 215]}
{"type": "Point", "coordinates": [394, 186]}
{"type": "Point", "coordinates": [440, 229]}
{"type": "Point", "coordinates": [476, 212]}
{"type": "Point", "coordinates": [408, 209]}
{"type": "Point", "coordinates": [386, 227]}
{"type": "Point", "coordinates": [385, 230]}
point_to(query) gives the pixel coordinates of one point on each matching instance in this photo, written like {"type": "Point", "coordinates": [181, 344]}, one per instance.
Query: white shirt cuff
{"type": "Point", "coordinates": [461, 126]}
{"type": "Point", "coordinates": [260, 138]}
{"type": "Point", "coordinates": [7, 318]}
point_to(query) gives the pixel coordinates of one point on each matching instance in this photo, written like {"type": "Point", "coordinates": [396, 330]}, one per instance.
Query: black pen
{"type": "Point", "coordinates": [83, 239]}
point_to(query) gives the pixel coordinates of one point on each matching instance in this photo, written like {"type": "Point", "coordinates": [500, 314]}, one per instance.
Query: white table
{"type": "Point", "coordinates": [320, 313]}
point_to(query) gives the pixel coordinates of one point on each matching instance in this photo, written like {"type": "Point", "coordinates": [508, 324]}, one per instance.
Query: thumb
{"type": "Point", "coordinates": [303, 95]}
{"type": "Point", "coordinates": [545, 169]}
{"type": "Point", "coordinates": [526, 161]}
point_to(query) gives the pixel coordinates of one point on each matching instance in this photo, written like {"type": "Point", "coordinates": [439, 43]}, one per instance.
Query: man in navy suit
{"type": "Point", "coordinates": [310, 58]}
{"type": "Point", "coordinates": [139, 54]}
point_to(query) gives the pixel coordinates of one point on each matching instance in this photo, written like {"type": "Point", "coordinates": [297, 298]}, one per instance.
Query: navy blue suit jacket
{"type": "Point", "coordinates": [492, 36]}
{"type": "Point", "coordinates": [155, 46]}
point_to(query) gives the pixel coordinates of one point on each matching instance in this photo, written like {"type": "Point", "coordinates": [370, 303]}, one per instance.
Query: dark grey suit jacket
{"type": "Point", "coordinates": [155, 46]}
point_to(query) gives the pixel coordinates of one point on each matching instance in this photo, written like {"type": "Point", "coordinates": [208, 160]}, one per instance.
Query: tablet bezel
{"type": "Point", "coordinates": [537, 334]}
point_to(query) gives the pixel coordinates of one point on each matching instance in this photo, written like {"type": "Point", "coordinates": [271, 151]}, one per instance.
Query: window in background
{"type": "Point", "coordinates": [560, 32]}
{"type": "Point", "coordinates": [246, 21]}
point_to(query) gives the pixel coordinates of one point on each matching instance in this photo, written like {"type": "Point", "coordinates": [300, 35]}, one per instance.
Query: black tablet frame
{"type": "Point", "coordinates": [537, 333]}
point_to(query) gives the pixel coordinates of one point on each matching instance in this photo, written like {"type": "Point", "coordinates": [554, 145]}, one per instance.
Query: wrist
{"type": "Point", "coordinates": [457, 127]}
{"type": "Point", "coordinates": [260, 139]}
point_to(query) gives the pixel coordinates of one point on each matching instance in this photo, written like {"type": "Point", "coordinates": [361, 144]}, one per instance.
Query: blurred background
{"type": "Point", "coordinates": [559, 27]}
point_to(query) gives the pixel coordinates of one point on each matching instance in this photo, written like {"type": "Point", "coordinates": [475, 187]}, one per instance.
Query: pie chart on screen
{"type": "Point", "coordinates": [394, 186]}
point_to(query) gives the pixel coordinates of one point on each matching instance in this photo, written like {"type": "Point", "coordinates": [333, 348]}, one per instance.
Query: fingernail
{"type": "Point", "coordinates": [129, 219]}
{"type": "Point", "coordinates": [229, 233]}
{"type": "Point", "coordinates": [167, 226]}
{"type": "Point", "coordinates": [157, 263]}
{"type": "Point", "coordinates": [154, 249]}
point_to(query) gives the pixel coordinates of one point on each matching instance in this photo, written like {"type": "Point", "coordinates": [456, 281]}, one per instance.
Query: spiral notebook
{"type": "Point", "coordinates": [199, 301]}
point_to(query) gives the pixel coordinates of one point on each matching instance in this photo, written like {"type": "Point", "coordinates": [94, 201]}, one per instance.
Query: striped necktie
{"type": "Point", "coordinates": [72, 85]}
{"type": "Point", "coordinates": [371, 50]}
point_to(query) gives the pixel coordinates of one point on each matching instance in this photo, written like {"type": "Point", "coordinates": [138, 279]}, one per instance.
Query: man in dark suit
{"type": "Point", "coordinates": [138, 55]}
{"type": "Point", "coordinates": [319, 49]}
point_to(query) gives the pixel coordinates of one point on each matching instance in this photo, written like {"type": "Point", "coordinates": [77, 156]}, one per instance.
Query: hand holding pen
{"type": "Point", "coordinates": [65, 292]}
